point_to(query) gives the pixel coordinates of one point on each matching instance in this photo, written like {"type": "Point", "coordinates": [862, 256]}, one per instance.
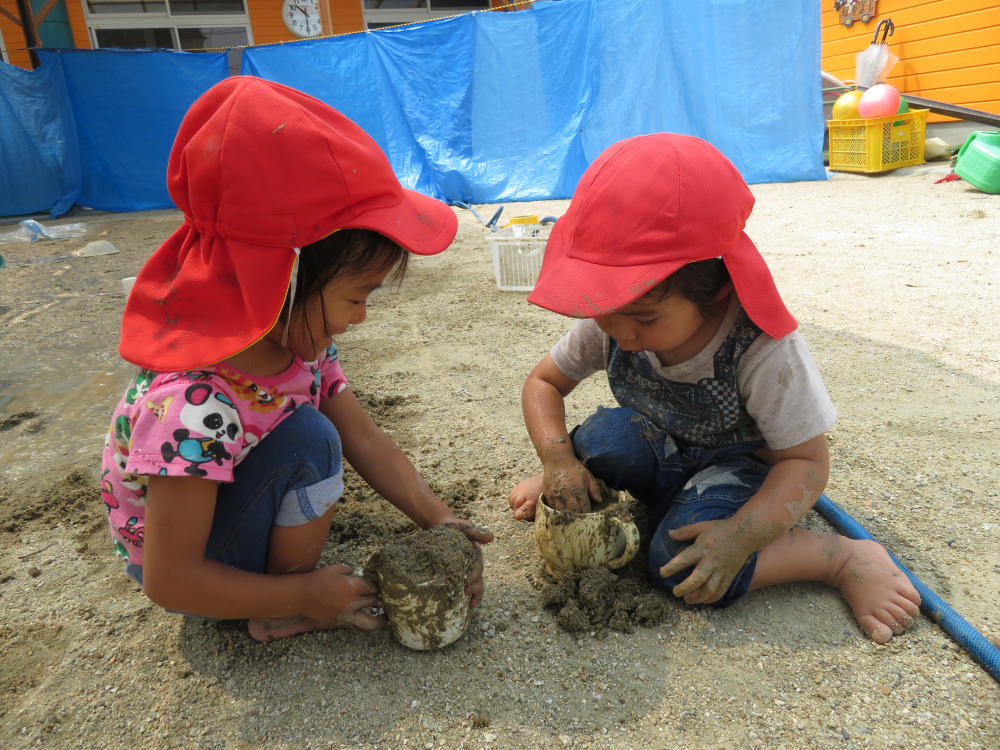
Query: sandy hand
{"type": "Point", "coordinates": [717, 554]}
{"type": "Point", "coordinates": [339, 601]}
{"type": "Point", "coordinates": [882, 598]}
{"type": "Point", "coordinates": [567, 485]}
{"type": "Point", "coordinates": [477, 535]}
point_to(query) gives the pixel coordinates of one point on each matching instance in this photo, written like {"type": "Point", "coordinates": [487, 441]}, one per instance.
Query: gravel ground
{"type": "Point", "coordinates": [894, 281]}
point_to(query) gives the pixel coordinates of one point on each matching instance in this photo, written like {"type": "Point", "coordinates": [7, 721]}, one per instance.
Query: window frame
{"type": "Point", "coordinates": [395, 16]}
{"type": "Point", "coordinates": [93, 16]}
{"type": "Point", "coordinates": [164, 21]}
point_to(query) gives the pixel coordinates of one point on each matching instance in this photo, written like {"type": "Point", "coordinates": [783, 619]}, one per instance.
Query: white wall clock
{"type": "Point", "coordinates": [301, 17]}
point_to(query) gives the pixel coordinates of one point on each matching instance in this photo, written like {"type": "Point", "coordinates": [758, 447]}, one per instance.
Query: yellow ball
{"type": "Point", "coordinates": [846, 107]}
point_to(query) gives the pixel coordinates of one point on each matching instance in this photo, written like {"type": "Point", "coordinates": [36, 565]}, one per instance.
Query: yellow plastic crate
{"type": "Point", "coordinates": [878, 144]}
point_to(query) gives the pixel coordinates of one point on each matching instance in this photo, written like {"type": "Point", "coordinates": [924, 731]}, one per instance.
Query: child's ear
{"type": "Point", "coordinates": [724, 292]}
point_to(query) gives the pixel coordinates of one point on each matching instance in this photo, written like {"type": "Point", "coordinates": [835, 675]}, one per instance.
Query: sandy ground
{"type": "Point", "coordinates": [894, 281]}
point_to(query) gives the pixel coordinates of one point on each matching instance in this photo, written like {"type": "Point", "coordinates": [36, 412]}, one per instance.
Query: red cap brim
{"type": "Point", "coordinates": [422, 225]}
{"type": "Point", "coordinates": [579, 289]}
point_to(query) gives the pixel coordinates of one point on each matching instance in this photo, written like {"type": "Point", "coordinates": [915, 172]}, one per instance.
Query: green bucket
{"type": "Point", "coordinates": [979, 161]}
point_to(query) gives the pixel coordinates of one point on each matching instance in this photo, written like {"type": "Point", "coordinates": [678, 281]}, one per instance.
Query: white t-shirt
{"type": "Point", "coordinates": [777, 379]}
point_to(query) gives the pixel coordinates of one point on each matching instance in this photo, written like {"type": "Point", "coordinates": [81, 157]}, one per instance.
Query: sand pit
{"type": "Point", "coordinates": [894, 281]}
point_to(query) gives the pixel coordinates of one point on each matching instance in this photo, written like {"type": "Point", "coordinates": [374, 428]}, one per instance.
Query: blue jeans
{"type": "Point", "coordinates": [681, 484]}
{"type": "Point", "coordinates": [292, 477]}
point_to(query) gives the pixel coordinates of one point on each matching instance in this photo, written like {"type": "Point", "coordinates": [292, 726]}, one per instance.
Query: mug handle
{"type": "Point", "coordinates": [631, 543]}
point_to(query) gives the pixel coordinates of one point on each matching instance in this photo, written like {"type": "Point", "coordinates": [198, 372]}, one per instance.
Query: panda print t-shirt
{"type": "Point", "coordinates": [199, 423]}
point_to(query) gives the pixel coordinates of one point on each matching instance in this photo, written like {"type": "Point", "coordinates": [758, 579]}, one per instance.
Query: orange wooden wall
{"type": "Point", "coordinates": [948, 50]}
{"type": "Point", "coordinates": [265, 22]}
{"type": "Point", "coordinates": [14, 38]}
{"type": "Point", "coordinates": [268, 26]}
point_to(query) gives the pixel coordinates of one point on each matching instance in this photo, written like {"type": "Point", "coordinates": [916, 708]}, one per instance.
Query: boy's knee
{"type": "Point", "coordinates": [607, 435]}
{"type": "Point", "coordinates": [663, 549]}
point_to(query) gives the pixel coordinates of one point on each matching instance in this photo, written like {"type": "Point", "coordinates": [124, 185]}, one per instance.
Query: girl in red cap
{"type": "Point", "coordinates": [223, 462]}
{"type": "Point", "coordinates": [722, 412]}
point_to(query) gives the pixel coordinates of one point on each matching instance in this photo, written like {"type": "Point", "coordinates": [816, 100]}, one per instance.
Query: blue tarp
{"type": "Point", "coordinates": [39, 158]}
{"type": "Point", "coordinates": [483, 107]}
{"type": "Point", "coordinates": [128, 106]}
{"type": "Point", "coordinates": [521, 103]}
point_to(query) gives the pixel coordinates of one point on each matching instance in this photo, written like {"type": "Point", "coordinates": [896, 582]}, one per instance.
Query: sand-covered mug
{"type": "Point", "coordinates": [574, 541]}
{"type": "Point", "coordinates": [422, 581]}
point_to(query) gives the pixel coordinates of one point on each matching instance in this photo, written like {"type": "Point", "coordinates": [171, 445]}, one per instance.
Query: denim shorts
{"type": "Point", "coordinates": [681, 484]}
{"type": "Point", "coordinates": [292, 477]}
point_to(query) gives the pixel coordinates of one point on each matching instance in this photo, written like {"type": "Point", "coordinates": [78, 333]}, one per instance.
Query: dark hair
{"type": "Point", "coordinates": [699, 282]}
{"type": "Point", "coordinates": [347, 251]}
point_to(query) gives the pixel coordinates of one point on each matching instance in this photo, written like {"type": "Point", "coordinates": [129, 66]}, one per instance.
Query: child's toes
{"type": "Point", "coordinates": [910, 604]}
{"type": "Point", "coordinates": [901, 619]}
{"type": "Point", "coordinates": [877, 630]}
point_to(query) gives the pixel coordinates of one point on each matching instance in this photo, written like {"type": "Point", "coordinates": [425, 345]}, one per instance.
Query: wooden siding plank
{"type": "Point", "coordinates": [958, 60]}
{"type": "Point", "coordinates": [907, 14]}
{"type": "Point", "coordinates": [78, 23]}
{"type": "Point", "coordinates": [959, 94]}
{"type": "Point", "coordinates": [830, 17]}
{"type": "Point", "coordinates": [906, 77]}
{"type": "Point", "coordinates": [905, 80]}
{"type": "Point", "coordinates": [931, 32]}
{"type": "Point", "coordinates": [970, 40]}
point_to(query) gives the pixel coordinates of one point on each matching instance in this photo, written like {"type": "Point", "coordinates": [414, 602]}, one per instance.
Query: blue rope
{"type": "Point", "coordinates": [933, 605]}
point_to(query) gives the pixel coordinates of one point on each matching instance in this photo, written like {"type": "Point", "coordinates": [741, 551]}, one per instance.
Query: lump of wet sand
{"type": "Point", "coordinates": [597, 599]}
{"type": "Point", "coordinates": [422, 579]}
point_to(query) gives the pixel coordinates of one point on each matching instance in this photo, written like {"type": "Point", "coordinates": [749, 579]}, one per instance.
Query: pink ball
{"type": "Point", "coordinates": [879, 101]}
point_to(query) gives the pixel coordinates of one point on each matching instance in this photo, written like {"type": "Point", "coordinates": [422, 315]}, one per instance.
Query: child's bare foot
{"type": "Point", "coordinates": [268, 629]}
{"type": "Point", "coordinates": [524, 497]}
{"type": "Point", "coordinates": [883, 599]}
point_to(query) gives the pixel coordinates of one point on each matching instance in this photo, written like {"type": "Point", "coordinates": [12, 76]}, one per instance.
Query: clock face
{"type": "Point", "coordinates": [301, 17]}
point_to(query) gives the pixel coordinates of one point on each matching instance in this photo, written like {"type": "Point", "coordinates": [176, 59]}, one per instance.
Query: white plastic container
{"type": "Point", "coordinates": [517, 255]}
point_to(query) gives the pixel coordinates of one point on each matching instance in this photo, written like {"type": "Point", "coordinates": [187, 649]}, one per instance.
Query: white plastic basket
{"type": "Point", "coordinates": [517, 255]}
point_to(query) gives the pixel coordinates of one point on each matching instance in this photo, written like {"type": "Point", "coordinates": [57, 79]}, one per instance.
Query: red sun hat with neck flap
{"type": "Point", "coordinates": [260, 170]}
{"type": "Point", "coordinates": [647, 206]}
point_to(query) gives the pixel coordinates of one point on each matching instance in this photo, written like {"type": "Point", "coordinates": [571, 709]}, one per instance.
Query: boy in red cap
{"type": "Point", "coordinates": [722, 412]}
{"type": "Point", "coordinates": [223, 462]}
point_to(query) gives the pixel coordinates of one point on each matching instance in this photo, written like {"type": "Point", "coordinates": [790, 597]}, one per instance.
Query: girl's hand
{"type": "Point", "coordinates": [718, 553]}
{"type": "Point", "coordinates": [477, 535]}
{"type": "Point", "coordinates": [340, 599]}
{"type": "Point", "coordinates": [568, 485]}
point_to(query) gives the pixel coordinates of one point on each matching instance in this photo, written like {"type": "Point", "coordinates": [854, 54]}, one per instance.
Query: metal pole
{"type": "Point", "coordinates": [31, 38]}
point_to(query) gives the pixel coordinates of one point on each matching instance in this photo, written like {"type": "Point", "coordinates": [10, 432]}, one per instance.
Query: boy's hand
{"type": "Point", "coordinates": [477, 535]}
{"type": "Point", "coordinates": [340, 599]}
{"type": "Point", "coordinates": [717, 554]}
{"type": "Point", "coordinates": [568, 485]}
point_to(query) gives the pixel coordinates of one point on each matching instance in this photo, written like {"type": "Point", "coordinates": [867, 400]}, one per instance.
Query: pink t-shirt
{"type": "Point", "coordinates": [200, 423]}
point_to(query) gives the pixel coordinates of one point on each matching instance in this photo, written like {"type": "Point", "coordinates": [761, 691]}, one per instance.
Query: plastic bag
{"type": "Point", "coordinates": [31, 230]}
{"type": "Point", "coordinates": [874, 63]}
